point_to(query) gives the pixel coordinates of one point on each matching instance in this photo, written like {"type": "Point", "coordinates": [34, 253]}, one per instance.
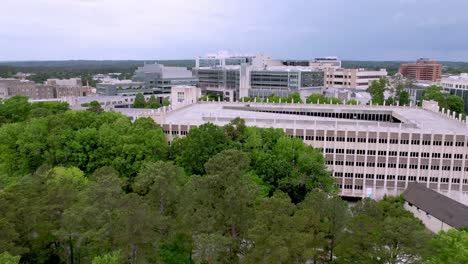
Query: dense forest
{"type": "Point", "coordinates": [93, 187]}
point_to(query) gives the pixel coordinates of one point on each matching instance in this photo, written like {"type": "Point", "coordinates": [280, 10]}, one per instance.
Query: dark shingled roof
{"type": "Point", "coordinates": [438, 205]}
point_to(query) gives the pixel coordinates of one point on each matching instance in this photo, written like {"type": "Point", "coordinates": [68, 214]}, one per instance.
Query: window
{"type": "Point", "coordinates": [309, 138]}
{"type": "Point", "coordinates": [456, 168]}
{"type": "Point", "coordinates": [446, 168]}
{"type": "Point", "coordinates": [448, 143]}
{"type": "Point", "coordinates": [180, 97]}
{"type": "Point", "coordinates": [413, 166]}
{"type": "Point", "coordinates": [415, 142]}
{"type": "Point", "coordinates": [459, 144]}
{"type": "Point", "coordinates": [370, 164]}
{"type": "Point", "coordinates": [381, 165]}
{"type": "Point", "coordinates": [372, 140]}
{"type": "Point", "coordinates": [401, 178]}
{"type": "Point", "coordinates": [319, 138]}
{"type": "Point", "coordinates": [330, 138]}
{"type": "Point", "coordinates": [423, 179]}
{"type": "Point", "coordinates": [403, 154]}
{"type": "Point", "coordinates": [329, 162]}
{"type": "Point", "coordinates": [414, 154]}
{"type": "Point", "coordinates": [433, 179]}
{"type": "Point", "coordinates": [393, 141]}
{"type": "Point", "coordinates": [455, 180]}
{"type": "Point", "coordinates": [382, 153]}
{"type": "Point", "coordinates": [351, 139]}
{"type": "Point", "coordinates": [359, 175]}
{"type": "Point", "coordinates": [426, 142]}
{"type": "Point", "coordinates": [380, 176]}
{"type": "Point", "coordinates": [339, 151]}
{"type": "Point", "coordinates": [435, 167]}
{"type": "Point", "coordinates": [348, 186]}
{"type": "Point", "coordinates": [392, 153]}
{"type": "Point", "coordinates": [350, 163]}
{"type": "Point", "coordinates": [350, 151]}
{"type": "Point", "coordinates": [340, 139]}
{"type": "Point", "coordinates": [436, 155]}
{"type": "Point", "coordinates": [447, 156]}
{"type": "Point", "coordinates": [402, 166]}
{"type": "Point", "coordinates": [392, 165]}
{"type": "Point", "coordinates": [437, 143]}
{"type": "Point", "coordinates": [444, 180]}
{"type": "Point", "coordinates": [458, 156]}
{"type": "Point", "coordinates": [383, 140]}
{"type": "Point", "coordinates": [348, 175]}
{"type": "Point", "coordinates": [339, 162]}
{"type": "Point", "coordinates": [424, 167]}
{"type": "Point", "coordinates": [390, 177]}
{"type": "Point", "coordinates": [425, 154]}
{"type": "Point", "coordinates": [338, 174]}
{"type": "Point", "coordinates": [369, 176]}
{"type": "Point", "coordinates": [361, 152]}
{"type": "Point", "coordinates": [361, 140]}
{"type": "Point", "coordinates": [371, 152]}
{"type": "Point", "coordinates": [360, 164]}
{"type": "Point", "coordinates": [404, 141]}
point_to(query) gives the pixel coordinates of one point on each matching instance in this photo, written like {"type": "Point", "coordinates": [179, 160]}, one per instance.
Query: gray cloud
{"type": "Point", "coordinates": [161, 29]}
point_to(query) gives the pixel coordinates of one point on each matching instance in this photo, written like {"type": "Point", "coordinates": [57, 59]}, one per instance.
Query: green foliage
{"type": "Point", "coordinates": [82, 139]}
{"type": "Point", "coordinates": [94, 106]}
{"type": "Point", "coordinates": [17, 109]}
{"type": "Point", "coordinates": [352, 102]}
{"type": "Point", "coordinates": [449, 247]}
{"type": "Point", "coordinates": [6, 258]}
{"type": "Point", "coordinates": [153, 103]}
{"type": "Point", "coordinates": [111, 258]}
{"type": "Point", "coordinates": [451, 102]}
{"type": "Point", "coordinates": [166, 102]}
{"type": "Point", "coordinates": [376, 90]}
{"type": "Point", "coordinates": [139, 101]}
{"type": "Point", "coordinates": [321, 99]}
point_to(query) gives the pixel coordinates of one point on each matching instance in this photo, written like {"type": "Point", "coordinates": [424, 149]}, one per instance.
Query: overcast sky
{"type": "Point", "coordinates": [184, 29]}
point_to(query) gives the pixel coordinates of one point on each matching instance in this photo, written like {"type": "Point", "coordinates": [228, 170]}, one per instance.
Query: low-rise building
{"type": "Point", "coordinates": [437, 211]}
{"type": "Point", "coordinates": [352, 78]}
{"type": "Point", "coordinates": [161, 78]}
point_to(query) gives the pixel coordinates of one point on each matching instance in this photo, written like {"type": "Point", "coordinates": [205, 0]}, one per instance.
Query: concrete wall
{"type": "Point", "coordinates": [431, 223]}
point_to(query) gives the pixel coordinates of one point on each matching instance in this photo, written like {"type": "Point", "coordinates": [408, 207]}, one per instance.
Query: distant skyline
{"type": "Point", "coordinates": [181, 29]}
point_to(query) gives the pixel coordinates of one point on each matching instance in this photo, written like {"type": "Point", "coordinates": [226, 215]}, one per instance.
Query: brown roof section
{"type": "Point", "coordinates": [438, 205]}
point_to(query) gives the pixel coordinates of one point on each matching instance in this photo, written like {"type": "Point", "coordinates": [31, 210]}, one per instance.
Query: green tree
{"type": "Point", "coordinates": [95, 106]}
{"type": "Point", "coordinates": [139, 101]}
{"type": "Point", "coordinates": [219, 207]}
{"type": "Point", "coordinates": [153, 103]}
{"type": "Point", "coordinates": [166, 102]}
{"type": "Point", "coordinates": [376, 90]}
{"type": "Point", "coordinates": [294, 97]}
{"type": "Point", "coordinates": [111, 258]}
{"type": "Point", "coordinates": [352, 102]}
{"type": "Point", "coordinates": [455, 103]}
{"type": "Point", "coordinates": [449, 247]}
{"type": "Point", "coordinates": [6, 258]}
{"type": "Point", "coordinates": [200, 144]}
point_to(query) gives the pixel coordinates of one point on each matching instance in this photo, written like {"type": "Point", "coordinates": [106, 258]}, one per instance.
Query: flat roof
{"type": "Point", "coordinates": [413, 119]}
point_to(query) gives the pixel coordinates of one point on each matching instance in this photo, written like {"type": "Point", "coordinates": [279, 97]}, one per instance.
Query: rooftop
{"type": "Point", "coordinates": [308, 116]}
{"type": "Point", "coordinates": [440, 206]}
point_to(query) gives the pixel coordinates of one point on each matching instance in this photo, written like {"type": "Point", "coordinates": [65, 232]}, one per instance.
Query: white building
{"type": "Point", "coordinates": [352, 78]}
{"type": "Point", "coordinates": [436, 211]}
{"type": "Point", "coordinates": [457, 85]}
{"type": "Point", "coordinates": [326, 63]}
{"type": "Point", "coordinates": [372, 151]}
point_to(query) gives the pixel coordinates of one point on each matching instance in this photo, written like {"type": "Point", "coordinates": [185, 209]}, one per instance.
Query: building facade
{"type": "Point", "coordinates": [457, 85]}
{"type": "Point", "coordinates": [161, 78]}
{"type": "Point", "coordinates": [372, 151]}
{"type": "Point", "coordinates": [352, 78]}
{"type": "Point", "coordinates": [422, 70]}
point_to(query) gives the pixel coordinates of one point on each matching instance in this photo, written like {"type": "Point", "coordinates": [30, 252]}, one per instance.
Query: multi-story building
{"type": "Point", "coordinates": [372, 151]}
{"type": "Point", "coordinates": [122, 87]}
{"type": "Point", "coordinates": [352, 78]}
{"type": "Point", "coordinates": [457, 85]}
{"type": "Point", "coordinates": [422, 70]}
{"type": "Point", "coordinates": [326, 63]}
{"type": "Point", "coordinates": [257, 75]}
{"type": "Point", "coordinates": [162, 78]}
{"type": "Point", "coordinates": [53, 88]}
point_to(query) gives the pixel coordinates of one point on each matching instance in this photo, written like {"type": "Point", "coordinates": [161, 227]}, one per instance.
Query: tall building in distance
{"type": "Point", "coordinates": [422, 70]}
